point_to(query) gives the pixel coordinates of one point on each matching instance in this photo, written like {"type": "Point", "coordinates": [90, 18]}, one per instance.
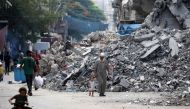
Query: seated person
{"type": "Point", "coordinates": [20, 99]}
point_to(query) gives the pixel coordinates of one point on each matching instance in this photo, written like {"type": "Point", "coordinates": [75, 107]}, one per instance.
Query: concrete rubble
{"type": "Point", "coordinates": [158, 67]}
{"type": "Point", "coordinates": [174, 47]}
{"type": "Point", "coordinates": [73, 66]}
{"type": "Point", "coordinates": [152, 59]}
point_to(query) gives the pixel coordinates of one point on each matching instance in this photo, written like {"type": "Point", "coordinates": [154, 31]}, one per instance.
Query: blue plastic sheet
{"type": "Point", "coordinates": [19, 75]}
{"type": "Point", "coordinates": [128, 28]}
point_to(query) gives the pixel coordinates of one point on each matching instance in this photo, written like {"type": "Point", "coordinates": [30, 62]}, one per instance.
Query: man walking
{"type": "Point", "coordinates": [101, 68]}
{"type": "Point", "coordinates": [28, 65]}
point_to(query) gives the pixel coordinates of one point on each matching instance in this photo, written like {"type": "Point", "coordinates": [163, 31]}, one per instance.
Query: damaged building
{"type": "Point", "coordinates": [132, 9]}
{"type": "Point", "coordinates": [169, 14]}
{"type": "Point", "coordinates": [163, 13]}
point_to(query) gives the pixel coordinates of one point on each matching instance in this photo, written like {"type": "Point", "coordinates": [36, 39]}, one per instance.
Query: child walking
{"type": "Point", "coordinates": [20, 100]}
{"type": "Point", "coordinates": [91, 86]}
{"type": "Point", "coordinates": [2, 71]}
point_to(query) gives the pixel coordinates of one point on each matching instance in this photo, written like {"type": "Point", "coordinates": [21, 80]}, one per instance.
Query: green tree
{"type": "Point", "coordinates": [83, 9]}
{"type": "Point", "coordinates": [30, 17]}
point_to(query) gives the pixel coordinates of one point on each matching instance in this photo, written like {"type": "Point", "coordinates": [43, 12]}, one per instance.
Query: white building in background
{"type": "Point", "coordinates": [106, 7]}
{"type": "Point", "coordinates": [125, 1]}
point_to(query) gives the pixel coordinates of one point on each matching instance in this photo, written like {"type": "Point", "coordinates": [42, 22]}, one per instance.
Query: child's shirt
{"type": "Point", "coordinates": [91, 85]}
{"type": "Point", "coordinates": [20, 100]}
{"type": "Point", "coordinates": [2, 70]}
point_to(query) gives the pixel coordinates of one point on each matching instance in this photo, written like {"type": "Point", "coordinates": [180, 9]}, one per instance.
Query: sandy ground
{"type": "Point", "coordinates": [45, 99]}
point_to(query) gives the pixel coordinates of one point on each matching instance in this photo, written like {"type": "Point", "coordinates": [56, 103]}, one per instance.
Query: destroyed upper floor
{"type": "Point", "coordinates": [164, 13]}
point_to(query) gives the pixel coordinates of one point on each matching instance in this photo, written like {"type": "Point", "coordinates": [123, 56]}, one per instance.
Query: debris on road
{"type": "Point", "coordinates": [152, 59]}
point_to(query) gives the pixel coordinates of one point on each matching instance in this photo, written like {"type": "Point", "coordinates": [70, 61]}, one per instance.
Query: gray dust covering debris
{"type": "Point", "coordinates": [155, 58]}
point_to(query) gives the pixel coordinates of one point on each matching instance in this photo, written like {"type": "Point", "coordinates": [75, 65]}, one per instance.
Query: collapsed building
{"type": "Point", "coordinates": [155, 58]}
{"type": "Point", "coordinates": [132, 9]}
{"type": "Point", "coordinates": [164, 13]}
{"type": "Point", "coordinates": [170, 14]}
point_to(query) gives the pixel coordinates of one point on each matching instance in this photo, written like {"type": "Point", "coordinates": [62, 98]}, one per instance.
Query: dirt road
{"type": "Point", "coordinates": [45, 99]}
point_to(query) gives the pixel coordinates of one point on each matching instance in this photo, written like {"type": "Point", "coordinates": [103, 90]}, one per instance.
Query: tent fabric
{"type": "Point", "coordinates": [128, 28]}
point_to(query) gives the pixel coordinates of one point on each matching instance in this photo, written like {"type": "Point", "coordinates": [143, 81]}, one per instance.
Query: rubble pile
{"type": "Point", "coordinates": [57, 78]}
{"type": "Point", "coordinates": [151, 64]}
{"type": "Point", "coordinates": [55, 53]}
{"type": "Point", "coordinates": [145, 62]}
{"type": "Point", "coordinates": [73, 66]}
{"type": "Point", "coordinates": [58, 67]}
{"type": "Point", "coordinates": [152, 59]}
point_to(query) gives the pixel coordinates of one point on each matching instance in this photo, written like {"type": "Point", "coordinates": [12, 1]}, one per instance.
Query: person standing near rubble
{"type": "Point", "coordinates": [36, 58]}
{"type": "Point", "coordinates": [101, 69]}
{"type": "Point", "coordinates": [1, 56]}
{"type": "Point", "coordinates": [2, 71]}
{"type": "Point", "coordinates": [28, 64]}
{"type": "Point", "coordinates": [7, 60]}
{"type": "Point", "coordinates": [91, 85]}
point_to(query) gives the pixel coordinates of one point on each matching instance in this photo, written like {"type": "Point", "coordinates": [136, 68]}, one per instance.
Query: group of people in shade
{"type": "Point", "coordinates": [7, 62]}
{"type": "Point", "coordinates": [5, 69]}
{"type": "Point", "coordinates": [30, 66]}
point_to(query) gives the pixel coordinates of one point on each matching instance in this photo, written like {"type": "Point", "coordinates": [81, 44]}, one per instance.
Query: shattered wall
{"type": "Point", "coordinates": [165, 20]}
{"type": "Point", "coordinates": [117, 5]}
{"type": "Point", "coordinates": [169, 13]}
{"type": "Point", "coordinates": [163, 13]}
{"type": "Point", "coordinates": [133, 9]}
{"type": "Point", "coordinates": [142, 7]}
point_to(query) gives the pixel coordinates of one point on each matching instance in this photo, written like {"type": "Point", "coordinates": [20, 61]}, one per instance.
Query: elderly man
{"type": "Point", "coordinates": [101, 69]}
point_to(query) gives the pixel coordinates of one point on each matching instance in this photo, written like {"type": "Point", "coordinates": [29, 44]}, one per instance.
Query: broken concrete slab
{"type": "Point", "coordinates": [121, 58]}
{"type": "Point", "coordinates": [124, 83]}
{"type": "Point", "coordinates": [181, 12]}
{"type": "Point", "coordinates": [169, 14]}
{"type": "Point", "coordinates": [144, 37]}
{"type": "Point", "coordinates": [149, 43]}
{"type": "Point", "coordinates": [186, 23]}
{"type": "Point", "coordinates": [142, 78]}
{"type": "Point", "coordinates": [164, 37]}
{"type": "Point", "coordinates": [173, 45]}
{"type": "Point", "coordinates": [157, 29]}
{"type": "Point", "coordinates": [150, 51]}
{"type": "Point", "coordinates": [178, 36]}
{"type": "Point", "coordinates": [161, 72]}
